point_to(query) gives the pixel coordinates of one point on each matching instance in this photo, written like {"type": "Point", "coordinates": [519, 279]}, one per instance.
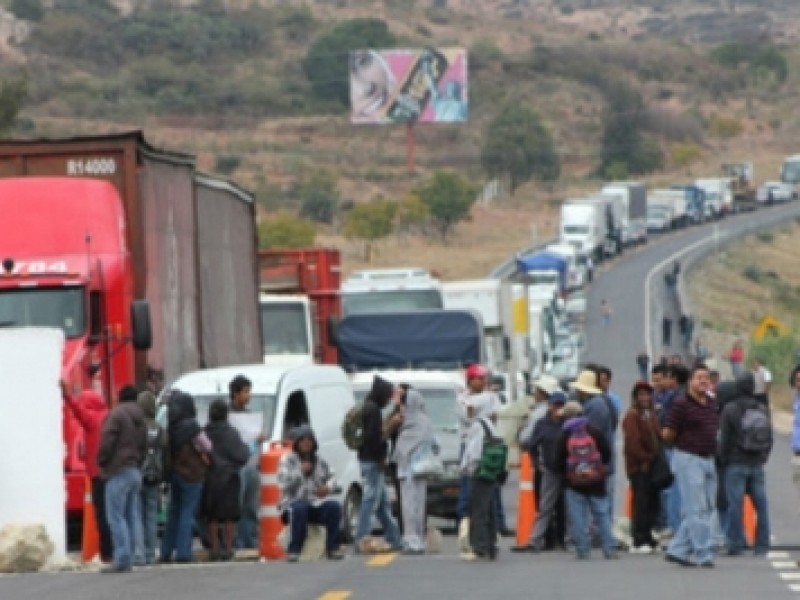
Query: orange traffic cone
{"type": "Point", "coordinates": [749, 520]}
{"type": "Point", "coordinates": [526, 504]}
{"type": "Point", "coordinates": [90, 541]}
{"type": "Point", "coordinates": [270, 524]}
{"type": "Point", "coordinates": [629, 503]}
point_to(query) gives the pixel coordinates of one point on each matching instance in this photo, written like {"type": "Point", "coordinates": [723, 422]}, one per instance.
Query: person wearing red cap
{"type": "Point", "coordinates": [477, 400]}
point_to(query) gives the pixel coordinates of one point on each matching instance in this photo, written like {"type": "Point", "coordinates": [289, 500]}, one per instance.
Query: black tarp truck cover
{"type": "Point", "coordinates": [437, 339]}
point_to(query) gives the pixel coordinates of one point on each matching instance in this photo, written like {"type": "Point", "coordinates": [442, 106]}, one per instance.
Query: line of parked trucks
{"type": "Point", "coordinates": [148, 265]}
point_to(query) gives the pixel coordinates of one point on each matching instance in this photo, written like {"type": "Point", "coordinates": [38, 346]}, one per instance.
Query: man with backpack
{"type": "Point", "coordinates": [581, 455]}
{"type": "Point", "coordinates": [153, 471]}
{"type": "Point", "coordinates": [745, 445]}
{"type": "Point", "coordinates": [484, 461]}
{"type": "Point", "coordinates": [372, 452]}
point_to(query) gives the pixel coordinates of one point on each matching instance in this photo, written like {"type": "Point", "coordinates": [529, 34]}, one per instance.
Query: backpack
{"type": "Point", "coordinates": [353, 428]}
{"type": "Point", "coordinates": [584, 462]}
{"type": "Point", "coordinates": [153, 463]}
{"type": "Point", "coordinates": [756, 430]}
{"type": "Point", "coordinates": [494, 456]}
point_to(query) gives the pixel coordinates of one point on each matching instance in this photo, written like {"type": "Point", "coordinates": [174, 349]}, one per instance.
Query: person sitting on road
{"type": "Point", "coordinates": [306, 483]}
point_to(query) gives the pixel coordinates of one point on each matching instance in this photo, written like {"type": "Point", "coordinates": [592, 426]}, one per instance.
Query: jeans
{"type": "Point", "coordinates": [374, 501]}
{"type": "Point", "coordinates": [750, 480]}
{"type": "Point", "coordinates": [122, 512]}
{"type": "Point", "coordinates": [302, 512]}
{"type": "Point", "coordinates": [671, 502]}
{"type": "Point", "coordinates": [184, 498]}
{"type": "Point", "coordinates": [148, 536]}
{"type": "Point", "coordinates": [247, 530]}
{"type": "Point", "coordinates": [99, 501]}
{"type": "Point", "coordinates": [578, 508]}
{"type": "Point", "coordinates": [697, 481]}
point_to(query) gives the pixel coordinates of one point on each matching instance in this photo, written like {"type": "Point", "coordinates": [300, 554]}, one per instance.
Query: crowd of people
{"type": "Point", "coordinates": [693, 447]}
{"type": "Point", "coordinates": [137, 449]}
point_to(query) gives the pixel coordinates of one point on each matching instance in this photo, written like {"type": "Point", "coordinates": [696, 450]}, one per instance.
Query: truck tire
{"type": "Point", "coordinates": [141, 330]}
{"type": "Point", "coordinates": [350, 512]}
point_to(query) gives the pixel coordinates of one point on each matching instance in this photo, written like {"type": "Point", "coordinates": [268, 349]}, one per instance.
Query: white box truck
{"type": "Point", "coordinates": [634, 209]}
{"type": "Point", "coordinates": [672, 202]}
{"type": "Point", "coordinates": [584, 225]}
{"type": "Point", "coordinates": [719, 194]}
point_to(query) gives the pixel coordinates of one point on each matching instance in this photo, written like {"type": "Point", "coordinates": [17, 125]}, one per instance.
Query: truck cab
{"type": "Point", "coordinates": [390, 290]}
{"type": "Point", "coordinates": [73, 271]}
{"type": "Point", "coordinates": [790, 174]}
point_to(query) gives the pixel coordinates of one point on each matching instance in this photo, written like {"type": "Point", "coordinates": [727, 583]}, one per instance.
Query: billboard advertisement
{"type": "Point", "coordinates": [408, 86]}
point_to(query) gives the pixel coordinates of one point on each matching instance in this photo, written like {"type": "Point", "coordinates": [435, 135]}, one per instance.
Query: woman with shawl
{"type": "Point", "coordinates": [415, 445]}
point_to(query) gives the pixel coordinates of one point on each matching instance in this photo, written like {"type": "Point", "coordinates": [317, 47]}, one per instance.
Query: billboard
{"type": "Point", "coordinates": [408, 86]}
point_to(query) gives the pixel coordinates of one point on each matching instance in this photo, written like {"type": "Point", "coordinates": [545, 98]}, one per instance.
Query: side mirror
{"type": "Point", "coordinates": [141, 328]}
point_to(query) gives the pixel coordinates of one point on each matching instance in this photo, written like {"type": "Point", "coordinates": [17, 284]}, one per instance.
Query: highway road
{"type": "Point", "coordinates": [553, 575]}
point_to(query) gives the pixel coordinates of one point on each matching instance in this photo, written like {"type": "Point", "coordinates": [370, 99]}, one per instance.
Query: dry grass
{"type": "Point", "coordinates": [728, 305]}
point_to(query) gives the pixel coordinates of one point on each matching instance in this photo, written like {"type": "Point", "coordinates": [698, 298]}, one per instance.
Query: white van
{"type": "Point", "coordinates": [317, 395]}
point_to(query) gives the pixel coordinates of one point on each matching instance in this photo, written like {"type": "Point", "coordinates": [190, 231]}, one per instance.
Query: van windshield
{"type": "Point", "coordinates": [384, 301]}
{"type": "Point", "coordinates": [285, 328]}
{"type": "Point", "coordinates": [259, 403]}
{"type": "Point", "coordinates": [441, 405]}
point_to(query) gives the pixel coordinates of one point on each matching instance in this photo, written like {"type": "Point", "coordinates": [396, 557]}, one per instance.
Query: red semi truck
{"type": "Point", "coordinates": [93, 231]}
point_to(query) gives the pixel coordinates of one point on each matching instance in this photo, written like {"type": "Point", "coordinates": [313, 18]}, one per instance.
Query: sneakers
{"type": "Point", "coordinates": [611, 555]}
{"type": "Point", "coordinates": [706, 564]}
{"type": "Point", "coordinates": [472, 556]}
{"type": "Point", "coordinates": [643, 549]}
{"type": "Point", "coordinates": [292, 557]}
{"type": "Point", "coordinates": [111, 569]}
{"type": "Point", "coordinates": [412, 551]}
{"type": "Point", "coordinates": [529, 547]}
{"type": "Point", "coordinates": [335, 554]}
{"type": "Point", "coordinates": [678, 560]}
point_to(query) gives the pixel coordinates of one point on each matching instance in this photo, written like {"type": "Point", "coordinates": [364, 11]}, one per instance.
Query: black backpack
{"type": "Point", "coordinates": [756, 429]}
{"type": "Point", "coordinates": [153, 463]}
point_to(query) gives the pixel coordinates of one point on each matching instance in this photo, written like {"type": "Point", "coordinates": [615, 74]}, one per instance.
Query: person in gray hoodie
{"type": "Point", "coordinates": [745, 443]}
{"type": "Point", "coordinates": [306, 483]}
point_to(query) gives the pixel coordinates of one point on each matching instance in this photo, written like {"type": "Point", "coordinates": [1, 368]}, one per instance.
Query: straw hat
{"type": "Point", "coordinates": [547, 383]}
{"type": "Point", "coordinates": [586, 383]}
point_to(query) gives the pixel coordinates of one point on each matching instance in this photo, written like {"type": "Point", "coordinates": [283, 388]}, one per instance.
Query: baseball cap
{"type": "Point", "coordinates": [557, 397]}
{"type": "Point", "coordinates": [547, 383]}
{"type": "Point", "coordinates": [475, 371]}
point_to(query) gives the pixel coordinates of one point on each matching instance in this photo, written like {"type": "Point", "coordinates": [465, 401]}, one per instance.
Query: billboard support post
{"type": "Point", "coordinates": [410, 142]}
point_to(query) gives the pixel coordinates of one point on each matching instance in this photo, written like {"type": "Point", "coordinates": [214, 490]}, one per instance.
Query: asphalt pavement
{"type": "Point", "coordinates": [634, 287]}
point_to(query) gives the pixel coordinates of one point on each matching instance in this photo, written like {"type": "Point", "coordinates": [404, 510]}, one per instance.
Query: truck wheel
{"type": "Point", "coordinates": [350, 511]}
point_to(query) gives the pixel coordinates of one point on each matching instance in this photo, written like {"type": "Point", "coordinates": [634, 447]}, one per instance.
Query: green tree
{"type": "Point", "coordinates": [30, 10]}
{"type": "Point", "coordinates": [285, 231]}
{"type": "Point", "coordinates": [370, 222]}
{"type": "Point", "coordinates": [412, 213]}
{"type": "Point", "coordinates": [326, 63]}
{"type": "Point", "coordinates": [623, 142]}
{"type": "Point", "coordinates": [13, 93]}
{"type": "Point", "coordinates": [319, 197]}
{"type": "Point", "coordinates": [519, 146]}
{"type": "Point", "coordinates": [683, 154]}
{"type": "Point", "coordinates": [449, 198]}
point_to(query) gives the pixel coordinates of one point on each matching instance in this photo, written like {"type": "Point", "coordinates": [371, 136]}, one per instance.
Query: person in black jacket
{"type": "Point", "coordinates": [744, 454]}
{"type": "Point", "coordinates": [372, 460]}
{"type": "Point", "coordinates": [222, 486]}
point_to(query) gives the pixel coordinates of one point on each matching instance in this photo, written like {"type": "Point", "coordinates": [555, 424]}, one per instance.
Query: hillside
{"type": "Point", "coordinates": [225, 80]}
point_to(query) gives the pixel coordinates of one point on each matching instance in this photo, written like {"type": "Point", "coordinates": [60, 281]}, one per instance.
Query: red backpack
{"type": "Point", "coordinates": [584, 462]}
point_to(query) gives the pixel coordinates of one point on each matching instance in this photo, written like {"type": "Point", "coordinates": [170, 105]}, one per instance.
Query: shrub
{"type": "Point", "coordinates": [227, 163]}
{"type": "Point", "coordinates": [725, 127]}
{"type": "Point", "coordinates": [286, 231]}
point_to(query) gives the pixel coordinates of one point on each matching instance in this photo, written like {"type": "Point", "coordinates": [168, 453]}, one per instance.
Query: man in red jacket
{"type": "Point", "coordinates": [90, 410]}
